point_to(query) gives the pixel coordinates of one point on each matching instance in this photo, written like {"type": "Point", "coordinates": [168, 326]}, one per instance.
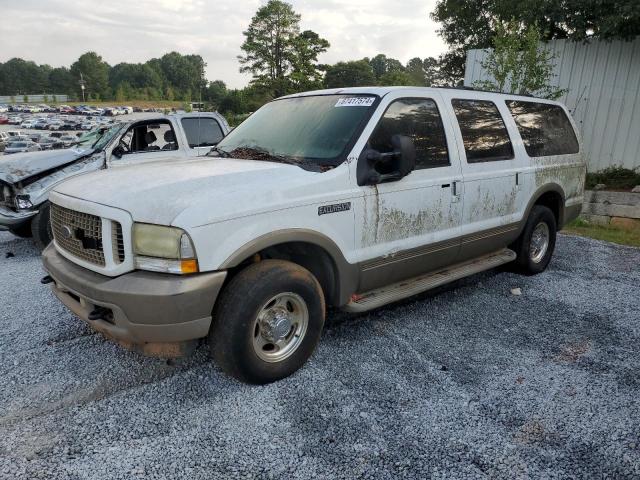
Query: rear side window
{"type": "Point", "coordinates": [419, 119]}
{"type": "Point", "coordinates": [202, 131]}
{"type": "Point", "coordinates": [544, 128]}
{"type": "Point", "coordinates": [483, 131]}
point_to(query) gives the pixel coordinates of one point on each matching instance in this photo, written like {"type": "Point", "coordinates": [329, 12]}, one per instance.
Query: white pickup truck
{"type": "Point", "coordinates": [351, 198]}
{"type": "Point", "coordinates": [27, 178]}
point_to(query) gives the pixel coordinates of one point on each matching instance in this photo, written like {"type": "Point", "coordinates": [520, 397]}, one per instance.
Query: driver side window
{"type": "Point", "coordinates": [149, 137]}
{"type": "Point", "coordinates": [419, 119]}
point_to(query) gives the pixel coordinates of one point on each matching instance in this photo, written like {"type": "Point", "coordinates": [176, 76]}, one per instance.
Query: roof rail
{"type": "Point", "coordinates": [474, 89]}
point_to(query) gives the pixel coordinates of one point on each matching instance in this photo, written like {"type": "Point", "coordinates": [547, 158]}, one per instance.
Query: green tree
{"type": "Point", "coordinates": [306, 74]}
{"type": "Point", "coordinates": [95, 73]}
{"type": "Point", "coordinates": [215, 93]}
{"type": "Point", "coordinates": [350, 74]}
{"type": "Point", "coordinates": [396, 77]}
{"type": "Point", "coordinates": [274, 48]}
{"type": "Point", "coordinates": [467, 24]}
{"type": "Point", "coordinates": [517, 64]}
{"type": "Point", "coordinates": [61, 81]}
{"type": "Point", "coordinates": [381, 64]}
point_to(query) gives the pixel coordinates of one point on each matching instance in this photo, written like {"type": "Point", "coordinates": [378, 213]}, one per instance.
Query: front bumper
{"type": "Point", "coordinates": [11, 218]}
{"type": "Point", "coordinates": [154, 313]}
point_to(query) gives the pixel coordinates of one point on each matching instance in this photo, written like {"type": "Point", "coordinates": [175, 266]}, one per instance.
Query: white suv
{"type": "Point", "coordinates": [351, 198]}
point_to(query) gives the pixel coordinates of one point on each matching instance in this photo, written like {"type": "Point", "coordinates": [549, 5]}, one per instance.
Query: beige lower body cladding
{"type": "Point", "coordinates": [616, 208]}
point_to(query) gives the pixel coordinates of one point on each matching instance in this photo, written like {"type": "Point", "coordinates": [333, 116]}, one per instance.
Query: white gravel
{"type": "Point", "coordinates": [469, 382]}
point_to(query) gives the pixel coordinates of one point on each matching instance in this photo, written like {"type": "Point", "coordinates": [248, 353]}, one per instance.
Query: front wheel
{"type": "Point", "coordinates": [537, 242]}
{"type": "Point", "coordinates": [267, 322]}
{"type": "Point", "coordinates": [22, 231]}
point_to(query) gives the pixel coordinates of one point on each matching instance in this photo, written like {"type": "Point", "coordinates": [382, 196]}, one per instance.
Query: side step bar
{"type": "Point", "coordinates": [413, 286]}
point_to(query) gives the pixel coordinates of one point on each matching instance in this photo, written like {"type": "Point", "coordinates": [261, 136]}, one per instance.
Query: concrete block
{"type": "Point", "coordinates": [626, 223]}
{"type": "Point", "coordinates": [595, 219]}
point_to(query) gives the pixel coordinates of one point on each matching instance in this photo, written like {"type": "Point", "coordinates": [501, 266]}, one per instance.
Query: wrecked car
{"type": "Point", "coordinates": [351, 198]}
{"type": "Point", "coordinates": [27, 178]}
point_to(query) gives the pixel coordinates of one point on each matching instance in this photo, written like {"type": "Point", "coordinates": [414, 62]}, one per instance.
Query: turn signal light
{"type": "Point", "coordinates": [189, 266]}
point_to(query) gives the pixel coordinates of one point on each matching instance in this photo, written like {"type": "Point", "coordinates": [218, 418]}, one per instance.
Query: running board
{"type": "Point", "coordinates": [413, 286]}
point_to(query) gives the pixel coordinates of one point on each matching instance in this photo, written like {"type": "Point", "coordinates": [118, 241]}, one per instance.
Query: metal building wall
{"type": "Point", "coordinates": [603, 83]}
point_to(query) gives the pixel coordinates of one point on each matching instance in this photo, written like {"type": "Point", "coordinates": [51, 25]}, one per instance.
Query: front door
{"type": "Point", "coordinates": [410, 226]}
{"type": "Point", "coordinates": [144, 142]}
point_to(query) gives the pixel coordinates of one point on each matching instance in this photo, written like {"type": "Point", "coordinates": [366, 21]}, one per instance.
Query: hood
{"type": "Point", "coordinates": [19, 166]}
{"type": "Point", "coordinates": [199, 191]}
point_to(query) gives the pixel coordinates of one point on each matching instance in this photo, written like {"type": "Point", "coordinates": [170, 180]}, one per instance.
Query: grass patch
{"type": "Point", "coordinates": [608, 233]}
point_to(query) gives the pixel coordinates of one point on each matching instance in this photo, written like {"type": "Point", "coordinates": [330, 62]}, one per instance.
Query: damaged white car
{"type": "Point", "coordinates": [26, 179]}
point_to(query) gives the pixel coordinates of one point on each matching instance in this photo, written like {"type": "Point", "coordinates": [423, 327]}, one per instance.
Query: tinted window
{"type": "Point", "coordinates": [544, 128]}
{"type": "Point", "coordinates": [483, 132]}
{"type": "Point", "coordinates": [202, 132]}
{"type": "Point", "coordinates": [419, 119]}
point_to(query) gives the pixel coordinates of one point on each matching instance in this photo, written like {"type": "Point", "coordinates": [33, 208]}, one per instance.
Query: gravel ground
{"type": "Point", "coordinates": [470, 382]}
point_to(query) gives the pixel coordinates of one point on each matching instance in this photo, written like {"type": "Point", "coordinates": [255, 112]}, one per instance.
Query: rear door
{"type": "Point", "coordinates": [201, 133]}
{"type": "Point", "coordinates": [491, 171]}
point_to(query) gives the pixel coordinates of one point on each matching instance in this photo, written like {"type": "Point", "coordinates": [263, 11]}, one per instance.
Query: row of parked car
{"type": "Point", "coordinates": [55, 122]}
{"type": "Point", "coordinates": [16, 141]}
{"type": "Point", "coordinates": [71, 110]}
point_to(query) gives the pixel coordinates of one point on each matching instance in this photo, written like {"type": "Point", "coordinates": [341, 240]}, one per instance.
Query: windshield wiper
{"type": "Point", "coordinates": [253, 153]}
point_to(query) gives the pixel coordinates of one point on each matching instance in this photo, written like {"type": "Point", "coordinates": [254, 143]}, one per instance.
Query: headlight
{"type": "Point", "coordinates": [163, 249]}
{"type": "Point", "coordinates": [23, 202]}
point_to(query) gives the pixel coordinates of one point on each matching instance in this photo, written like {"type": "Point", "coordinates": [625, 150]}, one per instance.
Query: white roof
{"type": "Point", "coordinates": [382, 91]}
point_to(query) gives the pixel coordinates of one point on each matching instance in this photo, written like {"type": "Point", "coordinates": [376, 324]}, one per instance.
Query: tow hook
{"type": "Point", "coordinates": [46, 280]}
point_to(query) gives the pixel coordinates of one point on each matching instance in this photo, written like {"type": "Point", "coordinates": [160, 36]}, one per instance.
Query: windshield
{"type": "Point", "coordinates": [98, 138]}
{"type": "Point", "coordinates": [312, 130]}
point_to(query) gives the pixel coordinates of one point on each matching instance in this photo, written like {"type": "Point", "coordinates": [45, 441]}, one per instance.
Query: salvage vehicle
{"type": "Point", "coordinates": [23, 146]}
{"type": "Point", "coordinates": [27, 179]}
{"type": "Point", "coordinates": [351, 198]}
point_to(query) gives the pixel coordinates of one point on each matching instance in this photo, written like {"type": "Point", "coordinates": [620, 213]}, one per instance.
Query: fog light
{"type": "Point", "coordinates": [23, 202]}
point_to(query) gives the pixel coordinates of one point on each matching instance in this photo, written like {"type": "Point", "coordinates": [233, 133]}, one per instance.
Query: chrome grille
{"type": "Point", "coordinates": [117, 241]}
{"type": "Point", "coordinates": [78, 233]}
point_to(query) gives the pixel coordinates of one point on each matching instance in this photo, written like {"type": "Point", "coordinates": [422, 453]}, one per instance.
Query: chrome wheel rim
{"type": "Point", "coordinates": [280, 326]}
{"type": "Point", "coordinates": [539, 242]}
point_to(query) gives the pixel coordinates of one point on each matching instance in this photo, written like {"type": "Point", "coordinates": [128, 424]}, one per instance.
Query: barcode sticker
{"type": "Point", "coordinates": [355, 102]}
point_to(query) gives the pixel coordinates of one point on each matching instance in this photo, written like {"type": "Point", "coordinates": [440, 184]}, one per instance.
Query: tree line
{"type": "Point", "coordinates": [172, 77]}
{"type": "Point", "coordinates": [282, 59]}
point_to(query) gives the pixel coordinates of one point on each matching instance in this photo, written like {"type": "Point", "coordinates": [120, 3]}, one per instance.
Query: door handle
{"type": "Point", "coordinates": [454, 191]}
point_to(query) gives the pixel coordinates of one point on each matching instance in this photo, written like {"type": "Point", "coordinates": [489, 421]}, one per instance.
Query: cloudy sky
{"type": "Point", "coordinates": [58, 31]}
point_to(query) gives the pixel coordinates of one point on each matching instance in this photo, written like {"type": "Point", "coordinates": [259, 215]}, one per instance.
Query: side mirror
{"type": "Point", "coordinates": [375, 167]}
{"type": "Point", "coordinates": [117, 152]}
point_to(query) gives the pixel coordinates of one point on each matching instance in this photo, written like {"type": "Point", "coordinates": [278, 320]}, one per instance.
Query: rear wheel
{"type": "Point", "coordinates": [267, 321]}
{"type": "Point", "coordinates": [537, 242]}
{"type": "Point", "coordinates": [41, 227]}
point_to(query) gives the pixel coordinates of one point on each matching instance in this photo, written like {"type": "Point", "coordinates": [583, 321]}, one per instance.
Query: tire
{"type": "Point", "coordinates": [534, 248]}
{"type": "Point", "coordinates": [41, 227]}
{"type": "Point", "coordinates": [22, 231]}
{"type": "Point", "coordinates": [245, 322]}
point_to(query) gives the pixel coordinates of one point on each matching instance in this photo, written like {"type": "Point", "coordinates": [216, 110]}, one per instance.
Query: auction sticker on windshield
{"type": "Point", "coordinates": [355, 102]}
